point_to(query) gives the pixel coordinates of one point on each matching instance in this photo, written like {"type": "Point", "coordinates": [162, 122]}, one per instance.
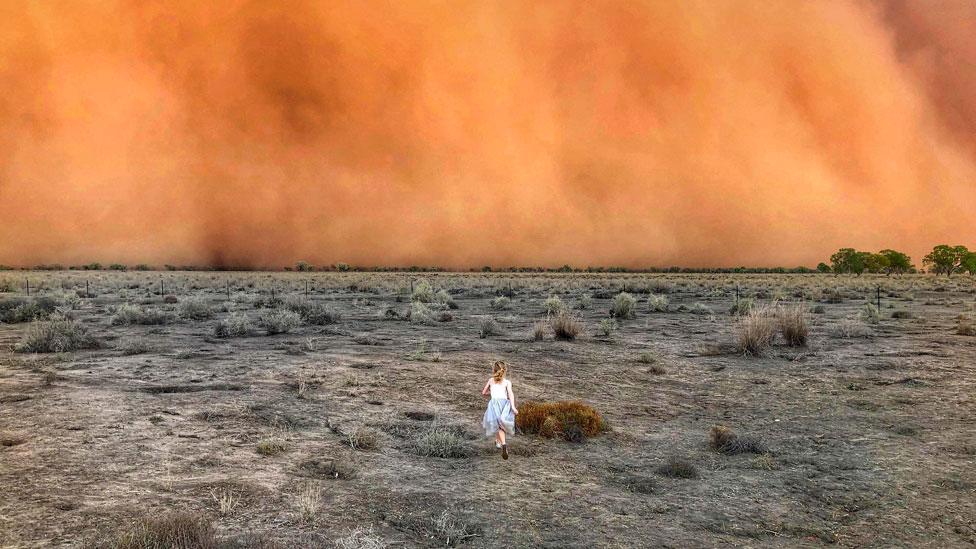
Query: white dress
{"type": "Point", "coordinates": [499, 415]}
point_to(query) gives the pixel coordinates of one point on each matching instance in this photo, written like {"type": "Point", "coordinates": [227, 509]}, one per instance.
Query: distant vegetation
{"type": "Point", "coordinates": [943, 259]}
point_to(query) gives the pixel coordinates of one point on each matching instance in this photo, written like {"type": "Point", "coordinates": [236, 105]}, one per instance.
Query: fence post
{"type": "Point", "coordinates": [306, 288]}
{"type": "Point", "coordinates": [87, 290]}
{"type": "Point", "coordinates": [28, 286]}
{"type": "Point", "coordinates": [162, 288]}
{"type": "Point", "coordinates": [879, 298]}
{"type": "Point", "coordinates": [227, 284]}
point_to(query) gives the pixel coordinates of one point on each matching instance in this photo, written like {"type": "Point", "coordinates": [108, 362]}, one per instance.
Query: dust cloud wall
{"type": "Point", "coordinates": [460, 134]}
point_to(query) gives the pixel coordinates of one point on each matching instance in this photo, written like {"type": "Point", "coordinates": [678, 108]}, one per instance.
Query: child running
{"type": "Point", "coordinates": [499, 418]}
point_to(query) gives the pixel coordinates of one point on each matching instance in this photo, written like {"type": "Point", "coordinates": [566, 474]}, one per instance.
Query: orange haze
{"type": "Point", "coordinates": [463, 133]}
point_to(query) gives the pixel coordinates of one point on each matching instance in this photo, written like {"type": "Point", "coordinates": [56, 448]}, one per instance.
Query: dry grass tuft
{"type": "Point", "coordinates": [792, 321]}
{"type": "Point", "coordinates": [269, 447]}
{"type": "Point", "coordinates": [725, 440]}
{"type": "Point", "coordinates": [565, 326]}
{"type": "Point", "coordinates": [360, 538]}
{"type": "Point", "coordinates": [441, 441]}
{"type": "Point", "coordinates": [569, 420]}
{"type": "Point", "coordinates": [678, 467]}
{"type": "Point", "coordinates": [754, 333]}
{"type": "Point", "coordinates": [174, 530]}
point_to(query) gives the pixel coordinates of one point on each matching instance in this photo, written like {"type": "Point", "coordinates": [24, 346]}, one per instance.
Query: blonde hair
{"type": "Point", "coordinates": [498, 371]}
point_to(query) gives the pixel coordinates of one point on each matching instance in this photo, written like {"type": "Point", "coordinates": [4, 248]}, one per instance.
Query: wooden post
{"type": "Point", "coordinates": [879, 298]}
{"type": "Point", "coordinates": [272, 294]}
{"type": "Point", "coordinates": [28, 286]}
{"type": "Point", "coordinates": [87, 290]}
{"type": "Point", "coordinates": [306, 288]}
{"type": "Point", "coordinates": [227, 284]}
{"type": "Point", "coordinates": [162, 288]}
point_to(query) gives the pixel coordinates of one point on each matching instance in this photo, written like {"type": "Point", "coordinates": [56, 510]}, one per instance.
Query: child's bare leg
{"type": "Point", "coordinates": [501, 436]}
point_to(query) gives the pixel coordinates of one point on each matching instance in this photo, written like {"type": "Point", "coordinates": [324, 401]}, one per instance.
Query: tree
{"type": "Point", "coordinates": [968, 263]}
{"type": "Point", "coordinates": [823, 267]}
{"type": "Point", "coordinates": [946, 259]}
{"type": "Point", "coordinates": [874, 263]}
{"type": "Point", "coordinates": [304, 267]}
{"type": "Point", "coordinates": [848, 260]}
{"type": "Point", "coordinates": [898, 262]}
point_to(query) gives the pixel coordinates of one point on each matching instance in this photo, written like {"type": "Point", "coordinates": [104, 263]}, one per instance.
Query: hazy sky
{"type": "Point", "coordinates": [487, 132]}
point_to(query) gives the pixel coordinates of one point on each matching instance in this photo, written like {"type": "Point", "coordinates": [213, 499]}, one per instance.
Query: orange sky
{"type": "Point", "coordinates": [456, 133]}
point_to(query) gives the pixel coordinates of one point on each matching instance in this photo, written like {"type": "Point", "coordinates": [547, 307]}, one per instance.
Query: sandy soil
{"type": "Point", "coordinates": [871, 439]}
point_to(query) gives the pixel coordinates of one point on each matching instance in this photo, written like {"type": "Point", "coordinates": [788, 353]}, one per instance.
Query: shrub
{"type": "Point", "coordinates": [870, 313]}
{"type": "Point", "coordinates": [174, 530]}
{"type": "Point", "coordinates": [539, 331]}
{"type": "Point", "coordinates": [17, 309]}
{"type": "Point", "coordinates": [657, 303]}
{"type": "Point", "coordinates": [421, 314]}
{"type": "Point", "coordinates": [280, 321]}
{"type": "Point", "coordinates": [442, 442]}
{"type": "Point", "coordinates": [569, 420]}
{"type": "Point", "coordinates": [700, 309]}
{"type": "Point", "coordinates": [792, 321]}
{"type": "Point", "coordinates": [755, 332]}
{"type": "Point", "coordinates": [901, 314]}
{"type": "Point", "coordinates": [313, 313]}
{"type": "Point", "coordinates": [195, 308]}
{"type": "Point", "coordinates": [565, 326]}
{"type": "Point", "coordinates": [501, 303]}
{"type": "Point", "coordinates": [818, 309]}
{"type": "Point", "coordinates": [677, 467]}
{"type": "Point", "coordinates": [488, 327]}
{"type": "Point", "coordinates": [58, 335]}
{"type": "Point", "coordinates": [235, 325]}
{"type": "Point", "coordinates": [741, 307]}
{"type": "Point", "coordinates": [965, 326]}
{"type": "Point", "coordinates": [134, 347]}
{"type": "Point", "coordinates": [360, 538]}
{"type": "Point", "coordinates": [170, 299]}
{"type": "Point", "coordinates": [585, 302]}
{"type": "Point", "coordinates": [364, 438]}
{"type": "Point", "coordinates": [724, 440]}
{"type": "Point", "coordinates": [268, 447]}
{"type": "Point", "coordinates": [127, 314]}
{"type": "Point", "coordinates": [623, 306]}
{"type": "Point", "coordinates": [553, 305]}
{"type": "Point", "coordinates": [7, 285]}
{"type": "Point", "coordinates": [423, 292]}
{"type": "Point", "coordinates": [445, 299]}
{"type": "Point", "coordinates": [607, 327]}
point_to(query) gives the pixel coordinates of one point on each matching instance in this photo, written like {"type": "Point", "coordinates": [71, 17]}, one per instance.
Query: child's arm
{"type": "Point", "coordinates": [484, 392]}
{"type": "Point", "coordinates": [511, 397]}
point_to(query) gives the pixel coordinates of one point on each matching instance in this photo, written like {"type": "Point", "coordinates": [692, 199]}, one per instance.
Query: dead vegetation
{"type": "Point", "coordinates": [353, 403]}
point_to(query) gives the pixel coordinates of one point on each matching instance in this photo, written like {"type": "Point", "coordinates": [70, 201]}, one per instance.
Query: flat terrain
{"type": "Point", "coordinates": [306, 436]}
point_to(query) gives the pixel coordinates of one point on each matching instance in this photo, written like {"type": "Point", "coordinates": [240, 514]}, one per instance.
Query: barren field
{"type": "Point", "coordinates": [360, 425]}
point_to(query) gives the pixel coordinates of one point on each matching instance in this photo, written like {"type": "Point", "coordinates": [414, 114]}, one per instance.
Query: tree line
{"type": "Point", "coordinates": [943, 259]}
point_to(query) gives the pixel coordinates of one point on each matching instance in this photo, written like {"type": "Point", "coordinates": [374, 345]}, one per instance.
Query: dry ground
{"type": "Point", "coordinates": [870, 428]}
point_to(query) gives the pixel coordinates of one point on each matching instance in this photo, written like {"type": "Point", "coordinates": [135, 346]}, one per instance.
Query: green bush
{"type": "Point", "coordinates": [553, 305]}
{"type": "Point", "coordinates": [623, 306]}
{"type": "Point", "coordinates": [657, 303]}
{"type": "Point", "coordinates": [280, 321]}
{"type": "Point", "coordinates": [58, 335]}
{"type": "Point", "coordinates": [235, 325]}
{"type": "Point", "coordinates": [195, 308]}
